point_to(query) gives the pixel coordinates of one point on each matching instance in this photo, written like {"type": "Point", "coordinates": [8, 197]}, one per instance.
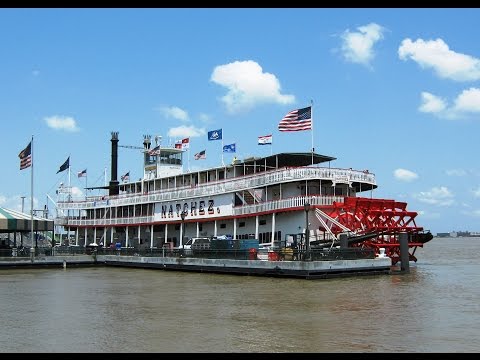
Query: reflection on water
{"type": "Point", "coordinates": [435, 308]}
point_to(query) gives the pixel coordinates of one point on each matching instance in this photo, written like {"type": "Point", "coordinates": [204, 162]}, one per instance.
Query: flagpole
{"type": "Point", "coordinates": [271, 144]}
{"type": "Point", "coordinates": [32, 249]}
{"type": "Point", "coordinates": [86, 176]}
{"type": "Point", "coordinates": [69, 181]}
{"type": "Point", "coordinates": [311, 116]}
{"type": "Point", "coordinates": [223, 164]}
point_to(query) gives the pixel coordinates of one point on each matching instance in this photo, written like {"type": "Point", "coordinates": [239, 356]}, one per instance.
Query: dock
{"type": "Point", "coordinates": [321, 269]}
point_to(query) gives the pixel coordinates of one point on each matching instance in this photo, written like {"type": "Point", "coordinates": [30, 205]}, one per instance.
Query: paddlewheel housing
{"type": "Point", "coordinates": [376, 223]}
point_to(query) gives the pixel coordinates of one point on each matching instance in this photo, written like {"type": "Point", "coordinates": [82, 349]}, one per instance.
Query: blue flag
{"type": "Point", "coordinates": [215, 135]}
{"type": "Point", "coordinates": [229, 148]}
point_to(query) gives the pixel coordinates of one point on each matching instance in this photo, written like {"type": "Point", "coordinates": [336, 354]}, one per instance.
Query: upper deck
{"type": "Point", "coordinates": [213, 181]}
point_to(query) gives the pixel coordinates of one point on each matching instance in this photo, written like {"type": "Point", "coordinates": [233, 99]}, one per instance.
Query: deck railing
{"type": "Point", "coordinates": [275, 205]}
{"type": "Point", "coordinates": [235, 184]}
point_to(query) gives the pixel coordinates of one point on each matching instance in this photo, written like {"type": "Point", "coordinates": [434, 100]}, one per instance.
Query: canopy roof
{"type": "Point", "coordinates": [11, 220]}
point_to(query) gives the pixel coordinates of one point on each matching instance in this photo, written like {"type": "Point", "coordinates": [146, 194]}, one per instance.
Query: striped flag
{"type": "Point", "coordinates": [200, 155]}
{"type": "Point", "coordinates": [125, 177]}
{"type": "Point", "coordinates": [265, 140]}
{"type": "Point", "coordinates": [154, 151]}
{"type": "Point", "coordinates": [297, 120]}
{"type": "Point", "coordinates": [26, 157]}
{"type": "Point", "coordinates": [82, 173]}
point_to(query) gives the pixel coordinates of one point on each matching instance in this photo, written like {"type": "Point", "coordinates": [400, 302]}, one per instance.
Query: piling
{"type": "Point", "coordinates": [404, 255]}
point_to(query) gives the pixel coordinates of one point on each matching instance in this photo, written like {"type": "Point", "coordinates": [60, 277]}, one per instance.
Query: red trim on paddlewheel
{"type": "Point", "coordinates": [388, 218]}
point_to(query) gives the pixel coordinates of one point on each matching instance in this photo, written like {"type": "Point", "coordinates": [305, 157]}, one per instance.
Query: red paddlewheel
{"type": "Point", "coordinates": [383, 218]}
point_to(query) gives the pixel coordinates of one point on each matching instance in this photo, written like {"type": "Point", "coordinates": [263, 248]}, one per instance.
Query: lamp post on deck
{"type": "Point", "coordinates": [307, 233]}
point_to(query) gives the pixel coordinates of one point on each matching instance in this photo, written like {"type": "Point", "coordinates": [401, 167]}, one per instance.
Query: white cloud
{"type": "Point", "coordinates": [57, 122]}
{"type": "Point", "coordinates": [35, 72]}
{"type": "Point", "coordinates": [357, 47]}
{"type": "Point", "coordinates": [468, 101]}
{"type": "Point", "coordinates": [436, 54]}
{"type": "Point", "coordinates": [456, 172]}
{"type": "Point", "coordinates": [174, 112]}
{"type": "Point", "coordinates": [404, 175]}
{"type": "Point", "coordinates": [248, 86]}
{"type": "Point", "coordinates": [76, 192]}
{"type": "Point", "coordinates": [476, 192]}
{"type": "Point", "coordinates": [186, 131]}
{"type": "Point", "coordinates": [440, 196]}
{"type": "Point", "coordinates": [431, 103]}
{"type": "Point", "coordinates": [465, 104]}
{"type": "Point", "coordinates": [15, 203]}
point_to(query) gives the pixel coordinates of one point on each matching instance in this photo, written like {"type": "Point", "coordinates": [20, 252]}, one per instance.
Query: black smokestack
{"type": "Point", "coordinates": [113, 188]}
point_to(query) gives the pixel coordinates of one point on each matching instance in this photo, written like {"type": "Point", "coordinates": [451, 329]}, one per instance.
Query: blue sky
{"type": "Point", "coordinates": [394, 91]}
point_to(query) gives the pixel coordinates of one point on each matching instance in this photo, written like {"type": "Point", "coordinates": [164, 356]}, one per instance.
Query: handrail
{"type": "Point", "coordinates": [275, 205]}
{"type": "Point", "coordinates": [236, 184]}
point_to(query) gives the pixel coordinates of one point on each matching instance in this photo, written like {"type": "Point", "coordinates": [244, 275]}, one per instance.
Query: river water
{"type": "Point", "coordinates": [434, 308]}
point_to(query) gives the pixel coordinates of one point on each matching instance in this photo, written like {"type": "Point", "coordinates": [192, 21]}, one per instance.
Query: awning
{"type": "Point", "coordinates": [11, 220]}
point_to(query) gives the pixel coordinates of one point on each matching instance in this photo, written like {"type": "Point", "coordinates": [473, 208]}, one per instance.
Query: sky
{"type": "Point", "coordinates": [393, 91]}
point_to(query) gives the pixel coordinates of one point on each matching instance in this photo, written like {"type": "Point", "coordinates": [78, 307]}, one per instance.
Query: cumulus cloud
{"type": "Point", "coordinates": [248, 86]}
{"type": "Point", "coordinates": [404, 175]}
{"type": "Point", "coordinates": [436, 54]}
{"type": "Point", "coordinates": [357, 47]}
{"type": "Point", "coordinates": [174, 112]}
{"type": "Point", "coordinates": [468, 101]}
{"type": "Point", "coordinates": [57, 122]}
{"type": "Point", "coordinates": [440, 196]}
{"type": "Point", "coordinates": [431, 103]}
{"type": "Point", "coordinates": [465, 104]}
{"type": "Point", "coordinates": [77, 192]}
{"type": "Point", "coordinates": [186, 131]}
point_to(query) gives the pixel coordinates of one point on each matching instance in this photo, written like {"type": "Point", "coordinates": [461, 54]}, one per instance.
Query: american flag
{"type": "Point", "coordinates": [297, 120]}
{"type": "Point", "coordinates": [26, 157]}
{"type": "Point", "coordinates": [155, 151]}
{"type": "Point", "coordinates": [125, 177]}
{"type": "Point", "coordinates": [200, 155]}
{"type": "Point", "coordinates": [82, 173]}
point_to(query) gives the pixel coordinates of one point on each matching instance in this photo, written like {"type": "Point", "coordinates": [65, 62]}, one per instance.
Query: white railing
{"type": "Point", "coordinates": [295, 202]}
{"type": "Point", "coordinates": [224, 186]}
{"type": "Point", "coordinates": [290, 203]}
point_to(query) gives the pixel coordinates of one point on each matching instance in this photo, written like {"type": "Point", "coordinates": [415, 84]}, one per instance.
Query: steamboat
{"type": "Point", "coordinates": [281, 199]}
